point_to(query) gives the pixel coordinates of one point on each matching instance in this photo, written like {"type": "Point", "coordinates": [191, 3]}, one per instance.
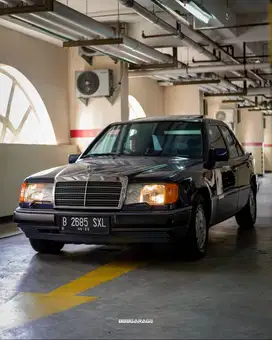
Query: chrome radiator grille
{"type": "Point", "coordinates": [82, 194]}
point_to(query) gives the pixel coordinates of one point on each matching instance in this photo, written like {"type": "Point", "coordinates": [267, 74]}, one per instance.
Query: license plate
{"type": "Point", "coordinates": [89, 225]}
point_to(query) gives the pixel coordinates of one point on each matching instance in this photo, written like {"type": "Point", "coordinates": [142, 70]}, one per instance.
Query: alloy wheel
{"type": "Point", "coordinates": [200, 228]}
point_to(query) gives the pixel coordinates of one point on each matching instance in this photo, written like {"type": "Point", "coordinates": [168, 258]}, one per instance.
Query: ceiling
{"type": "Point", "coordinates": [228, 14]}
{"type": "Point", "coordinates": [248, 6]}
{"type": "Point", "coordinates": [104, 8]}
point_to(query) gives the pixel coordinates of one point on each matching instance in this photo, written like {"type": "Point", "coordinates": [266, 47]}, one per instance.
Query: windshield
{"type": "Point", "coordinates": [178, 138]}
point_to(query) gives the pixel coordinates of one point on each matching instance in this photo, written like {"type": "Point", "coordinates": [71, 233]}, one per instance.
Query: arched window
{"type": "Point", "coordinates": [23, 115]}
{"type": "Point", "coordinates": [135, 108]}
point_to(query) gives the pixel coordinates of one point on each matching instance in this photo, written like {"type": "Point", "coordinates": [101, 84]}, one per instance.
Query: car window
{"type": "Point", "coordinates": [108, 142]}
{"type": "Point", "coordinates": [238, 145]}
{"type": "Point", "coordinates": [216, 139]}
{"type": "Point", "coordinates": [164, 139]}
{"type": "Point", "coordinates": [155, 138]}
{"type": "Point", "coordinates": [239, 149]}
{"type": "Point", "coordinates": [233, 152]}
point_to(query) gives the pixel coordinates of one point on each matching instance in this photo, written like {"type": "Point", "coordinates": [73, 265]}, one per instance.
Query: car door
{"type": "Point", "coordinates": [243, 170]}
{"type": "Point", "coordinates": [235, 165]}
{"type": "Point", "coordinates": [226, 193]}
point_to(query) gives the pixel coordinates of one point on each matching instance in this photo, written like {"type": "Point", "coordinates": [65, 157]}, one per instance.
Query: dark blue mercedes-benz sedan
{"type": "Point", "coordinates": [151, 180]}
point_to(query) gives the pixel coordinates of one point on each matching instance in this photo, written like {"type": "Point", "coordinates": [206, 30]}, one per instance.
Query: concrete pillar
{"type": "Point", "coordinates": [87, 121]}
{"type": "Point", "coordinates": [182, 100]}
{"type": "Point", "coordinates": [250, 133]}
{"type": "Point", "coordinates": [268, 144]}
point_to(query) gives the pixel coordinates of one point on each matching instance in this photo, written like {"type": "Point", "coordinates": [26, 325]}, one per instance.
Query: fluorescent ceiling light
{"type": "Point", "coordinates": [196, 11]}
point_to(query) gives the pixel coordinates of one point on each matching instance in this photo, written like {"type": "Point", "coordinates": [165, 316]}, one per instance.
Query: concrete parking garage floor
{"type": "Point", "coordinates": [228, 295]}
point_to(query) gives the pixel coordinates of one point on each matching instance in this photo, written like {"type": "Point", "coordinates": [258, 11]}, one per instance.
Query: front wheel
{"type": "Point", "coordinates": [246, 217]}
{"type": "Point", "coordinates": [46, 246]}
{"type": "Point", "coordinates": [196, 240]}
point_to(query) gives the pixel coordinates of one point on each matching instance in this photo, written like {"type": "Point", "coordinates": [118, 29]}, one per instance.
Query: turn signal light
{"type": "Point", "coordinates": [171, 193]}
{"type": "Point", "coordinates": [22, 192]}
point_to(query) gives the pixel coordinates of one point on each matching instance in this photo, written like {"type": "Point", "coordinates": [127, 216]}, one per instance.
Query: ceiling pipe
{"type": "Point", "coordinates": [68, 33]}
{"type": "Point", "coordinates": [252, 91]}
{"type": "Point", "coordinates": [232, 26]}
{"type": "Point", "coordinates": [53, 28]}
{"type": "Point", "coordinates": [75, 18]}
{"type": "Point", "coordinates": [200, 69]}
{"type": "Point", "coordinates": [65, 33]}
{"type": "Point", "coordinates": [226, 94]}
{"type": "Point", "coordinates": [151, 17]}
{"type": "Point", "coordinates": [233, 101]}
{"type": "Point", "coordinates": [71, 16]}
{"type": "Point", "coordinates": [208, 40]}
{"type": "Point", "coordinates": [85, 32]}
{"type": "Point", "coordinates": [196, 82]}
{"type": "Point", "coordinates": [82, 33]}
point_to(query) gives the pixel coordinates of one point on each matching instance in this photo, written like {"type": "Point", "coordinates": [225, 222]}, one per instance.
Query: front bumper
{"type": "Point", "coordinates": [125, 227]}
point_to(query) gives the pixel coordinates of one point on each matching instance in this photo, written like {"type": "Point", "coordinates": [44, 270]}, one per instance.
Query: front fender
{"type": "Point", "coordinates": [190, 187]}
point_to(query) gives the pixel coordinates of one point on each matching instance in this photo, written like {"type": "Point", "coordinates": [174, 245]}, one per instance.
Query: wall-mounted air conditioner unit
{"type": "Point", "coordinates": [95, 83]}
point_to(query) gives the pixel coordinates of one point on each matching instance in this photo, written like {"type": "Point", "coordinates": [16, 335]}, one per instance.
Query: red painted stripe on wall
{"type": "Point", "coordinates": [84, 133]}
{"type": "Point", "coordinates": [268, 145]}
{"type": "Point", "coordinates": [252, 144]}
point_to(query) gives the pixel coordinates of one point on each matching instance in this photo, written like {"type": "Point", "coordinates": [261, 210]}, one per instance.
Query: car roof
{"type": "Point", "coordinates": [189, 118]}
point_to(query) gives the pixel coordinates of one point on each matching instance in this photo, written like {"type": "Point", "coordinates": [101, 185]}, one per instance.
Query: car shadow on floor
{"type": "Point", "coordinates": [227, 245]}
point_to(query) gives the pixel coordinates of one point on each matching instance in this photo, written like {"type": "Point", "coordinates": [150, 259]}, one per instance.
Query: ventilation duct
{"type": "Point", "coordinates": [78, 26]}
{"type": "Point", "coordinates": [200, 69]}
{"type": "Point", "coordinates": [201, 35]}
{"type": "Point", "coordinates": [151, 17]}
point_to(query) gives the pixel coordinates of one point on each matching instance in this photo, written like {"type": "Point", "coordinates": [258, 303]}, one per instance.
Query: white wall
{"type": "Point", "coordinates": [149, 94]}
{"type": "Point", "coordinates": [45, 66]}
{"type": "Point", "coordinates": [19, 161]}
{"type": "Point", "coordinates": [182, 100]}
{"type": "Point", "coordinates": [100, 111]}
{"type": "Point", "coordinates": [268, 144]}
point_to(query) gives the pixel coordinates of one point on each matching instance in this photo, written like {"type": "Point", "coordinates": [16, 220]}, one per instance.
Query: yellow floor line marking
{"type": "Point", "coordinates": [26, 307]}
{"type": "Point", "coordinates": [102, 274]}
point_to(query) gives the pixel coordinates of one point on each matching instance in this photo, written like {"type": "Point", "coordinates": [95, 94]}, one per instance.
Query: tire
{"type": "Point", "coordinates": [246, 217]}
{"type": "Point", "coordinates": [46, 246]}
{"type": "Point", "coordinates": [196, 240]}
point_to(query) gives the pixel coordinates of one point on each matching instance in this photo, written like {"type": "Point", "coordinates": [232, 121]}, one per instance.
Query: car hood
{"type": "Point", "coordinates": [132, 167]}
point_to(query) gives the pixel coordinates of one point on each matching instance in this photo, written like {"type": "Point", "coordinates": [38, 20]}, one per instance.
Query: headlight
{"type": "Point", "coordinates": [36, 192]}
{"type": "Point", "coordinates": [152, 194]}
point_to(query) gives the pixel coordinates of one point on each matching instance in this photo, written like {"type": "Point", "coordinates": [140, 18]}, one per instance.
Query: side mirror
{"type": "Point", "coordinates": [73, 158]}
{"type": "Point", "coordinates": [216, 155]}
